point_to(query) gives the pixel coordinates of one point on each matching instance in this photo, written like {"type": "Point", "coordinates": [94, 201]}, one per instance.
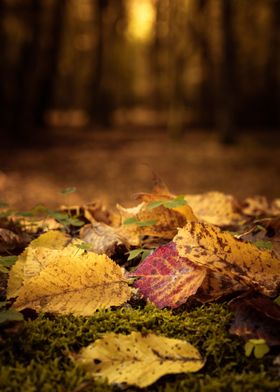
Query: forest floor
{"type": "Point", "coordinates": [115, 164]}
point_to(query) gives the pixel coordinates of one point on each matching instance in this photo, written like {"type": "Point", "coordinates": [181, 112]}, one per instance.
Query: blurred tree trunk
{"type": "Point", "coordinates": [273, 67]}
{"type": "Point", "coordinates": [206, 91]}
{"type": "Point", "coordinates": [49, 62]}
{"type": "Point", "coordinates": [22, 127]}
{"type": "Point", "coordinates": [3, 106]}
{"type": "Point", "coordinates": [225, 109]}
{"type": "Point", "coordinates": [100, 104]}
{"type": "Point", "coordinates": [176, 70]}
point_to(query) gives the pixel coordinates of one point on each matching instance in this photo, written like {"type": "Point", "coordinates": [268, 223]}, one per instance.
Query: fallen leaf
{"type": "Point", "coordinates": [257, 206]}
{"type": "Point", "coordinates": [78, 284]}
{"type": "Point", "coordinates": [256, 317]}
{"type": "Point", "coordinates": [167, 279]}
{"type": "Point", "coordinates": [206, 245]}
{"type": "Point", "coordinates": [104, 239]}
{"type": "Point", "coordinates": [9, 241]}
{"type": "Point", "coordinates": [215, 285]}
{"type": "Point", "coordinates": [215, 208]}
{"type": "Point", "coordinates": [165, 221]}
{"type": "Point", "coordinates": [138, 359]}
{"type": "Point", "coordinates": [33, 260]}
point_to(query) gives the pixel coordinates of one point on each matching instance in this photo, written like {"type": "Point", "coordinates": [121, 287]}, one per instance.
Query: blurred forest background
{"type": "Point", "coordinates": [138, 67]}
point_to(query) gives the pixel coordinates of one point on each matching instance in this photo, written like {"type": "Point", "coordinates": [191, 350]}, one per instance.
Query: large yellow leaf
{"type": "Point", "coordinates": [78, 284]}
{"type": "Point", "coordinates": [208, 246]}
{"type": "Point", "coordinates": [138, 359]}
{"type": "Point", "coordinates": [32, 260]}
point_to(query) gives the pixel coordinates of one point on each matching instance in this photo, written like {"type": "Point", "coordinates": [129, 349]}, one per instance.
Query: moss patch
{"type": "Point", "coordinates": [35, 358]}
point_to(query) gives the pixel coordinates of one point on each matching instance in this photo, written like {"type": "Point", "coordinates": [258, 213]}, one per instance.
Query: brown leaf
{"type": "Point", "coordinates": [256, 317]}
{"type": "Point", "coordinates": [104, 239]}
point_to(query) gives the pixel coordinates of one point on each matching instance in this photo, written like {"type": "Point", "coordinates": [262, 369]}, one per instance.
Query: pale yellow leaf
{"type": "Point", "coordinates": [138, 359]}
{"type": "Point", "coordinates": [215, 207]}
{"type": "Point", "coordinates": [32, 260]}
{"type": "Point", "coordinates": [78, 284]}
{"type": "Point", "coordinates": [206, 245]}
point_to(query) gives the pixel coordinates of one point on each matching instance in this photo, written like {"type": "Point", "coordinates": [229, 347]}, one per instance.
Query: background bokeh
{"type": "Point", "coordinates": [98, 94]}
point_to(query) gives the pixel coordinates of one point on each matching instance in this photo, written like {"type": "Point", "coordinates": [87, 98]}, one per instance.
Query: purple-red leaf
{"type": "Point", "coordinates": [167, 279]}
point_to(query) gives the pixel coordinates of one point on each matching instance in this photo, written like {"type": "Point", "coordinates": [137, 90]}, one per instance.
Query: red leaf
{"type": "Point", "coordinates": [167, 279]}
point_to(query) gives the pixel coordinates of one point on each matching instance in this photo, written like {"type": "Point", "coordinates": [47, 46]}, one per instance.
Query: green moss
{"type": "Point", "coordinates": [35, 359]}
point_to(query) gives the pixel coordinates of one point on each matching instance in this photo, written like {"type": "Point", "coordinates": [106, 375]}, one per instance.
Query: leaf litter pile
{"type": "Point", "coordinates": [179, 292]}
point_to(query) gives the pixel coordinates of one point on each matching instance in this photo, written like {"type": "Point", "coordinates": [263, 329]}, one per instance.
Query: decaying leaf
{"type": "Point", "coordinates": [138, 359]}
{"type": "Point", "coordinates": [104, 239]}
{"type": "Point", "coordinates": [216, 285]}
{"type": "Point", "coordinates": [167, 279]}
{"type": "Point", "coordinates": [206, 245]}
{"type": "Point", "coordinates": [256, 317]}
{"type": "Point", "coordinates": [78, 284]}
{"type": "Point", "coordinates": [93, 212]}
{"type": "Point", "coordinates": [165, 221]}
{"type": "Point", "coordinates": [259, 206]}
{"type": "Point", "coordinates": [215, 208]}
{"type": "Point", "coordinates": [10, 240]}
{"type": "Point", "coordinates": [33, 259]}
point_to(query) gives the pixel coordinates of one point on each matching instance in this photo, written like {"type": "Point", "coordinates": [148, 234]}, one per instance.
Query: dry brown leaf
{"type": "Point", "coordinates": [104, 239]}
{"type": "Point", "coordinates": [166, 221]}
{"type": "Point", "coordinates": [78, 284]}
{"type": "Point", "coordinates": [10, 240]}
{"type": "Point", "coordinates": [215, 208]}
{"type": "Point", "coordinates": [219, 251]}
{"type": "Point", "coordinates": [215, 285]}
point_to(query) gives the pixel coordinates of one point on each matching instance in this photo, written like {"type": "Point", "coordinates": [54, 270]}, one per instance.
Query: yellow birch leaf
{"type": "Point", "coordinates": [78, 284]}
{"type": "Point", "coordinates": [29, 264]}
{"type": "Point", "coordinates": [138, 359]}
{"type": "Point", "coordinates": [208, 246]}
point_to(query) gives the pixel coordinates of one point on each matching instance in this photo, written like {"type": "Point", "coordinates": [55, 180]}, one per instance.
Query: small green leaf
{"type": "Point", "coordinates": [261, 244]}
{"type": "Point", "coordinates": [24, 213]}
{"type": "Point", "coordinates": [151, 222]}
{"type": "Point", "coordinates": [10, 315]}
{"type": "Point", "coordinates": [174, 203]}
{"type": "Point", "coordinates": [261, 350]}
{"type": "Point", "coordinates": [7, 261]}
{"type": "Point", "coordinates": [277, 300]}
{"type": "Point", "coordinates": [154, 204]}
{"type": "Point", "coordinates": [68, 190]}
{"type": "Point", "coordinates": [248, 348]}
{"type": "Point", "coordinates": [72, 221]}
{"type": "Point", "coordinates": [84, 246]}
{"type": "Point", "coordinates": [58, 215]}
{"type": "Point", "coordinates": [258, 345]}
{"type": "Point", "coordinates": [134, 221]}
{"type": "Point", "coordinates": [134, 253]}
{"type": "Point", "coordinates": [130, 221]}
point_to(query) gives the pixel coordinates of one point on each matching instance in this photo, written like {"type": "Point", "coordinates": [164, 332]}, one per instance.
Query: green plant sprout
{"type": "Point", "coordinates": [256, 346]}
{"type": "Point", "coordinates": [6, 262]}
{"type": "Point", "coordinates": [177, 202]}
{"type": "Point", "coordinates": [135, 221]}
{"type": "Point", "coordinates": [136, 252]}
{"type": "Point", "coordinates": [261, 244]}
{"type": "Point", "coordinates": [68, 190]}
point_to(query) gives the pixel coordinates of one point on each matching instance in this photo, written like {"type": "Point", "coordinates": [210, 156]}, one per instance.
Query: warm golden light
{"type": "Point", "coordinates": [141, 17]}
